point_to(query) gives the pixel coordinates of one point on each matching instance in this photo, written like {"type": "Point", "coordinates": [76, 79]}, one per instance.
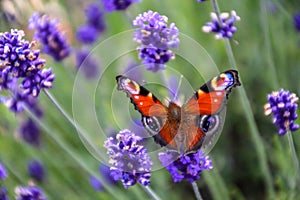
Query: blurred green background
{"type": "Point", "coordinates": [266, 48]}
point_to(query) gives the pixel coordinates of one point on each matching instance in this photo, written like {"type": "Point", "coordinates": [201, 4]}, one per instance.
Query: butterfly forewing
{"type": "Point", "coordinates": [143, 100]}
{"type": "Point", "coordinates": [212, 96]}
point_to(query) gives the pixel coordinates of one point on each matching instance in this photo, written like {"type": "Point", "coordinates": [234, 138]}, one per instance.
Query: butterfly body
{"type": "Point", "coordinates": [182, 128]}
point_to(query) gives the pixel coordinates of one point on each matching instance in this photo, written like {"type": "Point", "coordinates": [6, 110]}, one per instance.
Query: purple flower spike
{"type": "Point", "coordinates": [185, 167]}
{"type": "Point", "coordinates": [30, 132]}
{"type": "Point", "coordinates": [96, 184]}
{"type": "Point", "coordinates": [3, 173]}
{"type": "Point", "coordinates": [17, 102]}
{"type": "Point", "coordinates": [21, 71]}
{"type": "Point", "coordinates": [88, 63]}
{"type": "Point", "coordinates": [113, 5]}
{"type": "Point", "coordinates": [283, 105]}
{"type": "Point", "coordinates": [224, 28]}
{"type": "Point", "coordinates": [33, 83]}
{"type": "Point", "coordinates": [156, 39]}
{"type": "Point", "coordinates": [47, 32]}
{"type": "Point", "coordinates": [29, 193]}
{"type": "Point", "coordinates": [3, 193]}
{"type": "Point", "coordinates": [17, 59]}
{"type": "Point", "coordinates": [129, 160]}
{"type": "Point", "coordinates": [105, 171]}
{"type": "Point", "coordinates": [201, 1]}
{"type": "Point", "coordinates": [36, 170]}
{"type": "Point", "coordinates": [95, 17]}
{"type": "Point", "coordinates": [297, 21]}
{"type": "Point", "coordinates": [87, 34]}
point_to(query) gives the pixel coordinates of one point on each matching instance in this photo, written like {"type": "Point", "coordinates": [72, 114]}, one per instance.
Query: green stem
{"type": "Point", "coordinates": [217, 11]}
{"type": "Point", "coordinates": [294, 154]}
{"type": "Point", "coordinates": [196, 191]}
{"type": "Point", "coordinates": [72, 122]}
{"type": "Point", "coordinates": [259, 146]}
{"type": "Point", "coordinates": [60, 109]}
{"type": "Point", "coordinates": [280, 7]}
{"type": "Point", "coordinates": [268, 48]}
{"type": "Point", "coordinates": [178, 88]}
{"type": "Point", "coordinates": [262, 158]}
{"type": "Point", "coordinates": [151, 192]}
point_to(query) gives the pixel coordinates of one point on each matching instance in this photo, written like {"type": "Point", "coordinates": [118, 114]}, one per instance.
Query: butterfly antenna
{"type": "Point", "coordinates": [177, 90]}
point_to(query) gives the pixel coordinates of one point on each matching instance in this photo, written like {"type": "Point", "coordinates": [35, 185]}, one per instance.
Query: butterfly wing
{"type": "Point", "coordinates": [154, 113]}
{"type": "Point", "coordinates": [204, 106]}
{"type": "Point", "coordinates": [212, 97]}
{"type": "Point", "coordinates": [144, 101]}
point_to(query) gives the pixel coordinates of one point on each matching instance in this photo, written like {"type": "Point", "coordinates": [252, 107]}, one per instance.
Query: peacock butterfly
{"type": "Point", "coordinates": [182, 128]}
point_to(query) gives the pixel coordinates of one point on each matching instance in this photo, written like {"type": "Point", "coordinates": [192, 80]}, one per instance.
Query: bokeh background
{"type": "Point", "coordinates": [266, 48]}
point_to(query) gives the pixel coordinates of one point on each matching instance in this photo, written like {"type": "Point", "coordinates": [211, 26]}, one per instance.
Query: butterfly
{"type": "Point", "coordinates": [182, 128]}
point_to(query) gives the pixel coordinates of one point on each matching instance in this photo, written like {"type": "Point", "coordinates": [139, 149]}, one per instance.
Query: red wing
{"type": "Point", "coordinates": [195, 138]}
{"type": "Point", "coordinates": [184, 137]}
{"type": "Point", "coordinates": [166, 137]}
{"type": "Point", "coordinates": [191, 132]}
{"type": "Point", "coordinates": [143, 100]}
{"type": "Point", "coordinates": [212, 96]}
{"type": "Point", "coordinates": [205, 103]}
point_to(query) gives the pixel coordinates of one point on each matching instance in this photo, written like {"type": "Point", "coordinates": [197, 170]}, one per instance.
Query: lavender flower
{"type": "Point", "coordinates": [87, 34]}
{"type": "Point", "coordinates": [154, 58]}
{"type": "Point", "coordinates": [17, 102]}
{"type": "Point", "coordinates": [30, 132]}
{"type": "Point", "coordinates": [223, 28]}
{"type": "Point", "coordinates": [283, 105]}
{"type": "Point", "coordinates": [186, 167]}
{"type": "Point", "coordinates": [21, 70]}
{"type": "Point", "coordinates": [88, 63]}
{"type": "Point", "coordinates": [201, 1]}
{"type": "Point", "coordinates": [105, 172]}
{"type": "Point", "coordinates": [30, 192]}
{"type": "Point", "coordinates": [3, 194]}
{"type": "Point", "coordinates": [17, 59]}
{"type": "Point", "coordinates": [296, 19]}
{"type": "Point", "coordinates": [36, 170]}
{"type": "Point", "coordinates": [96, 184]}
{"type": "Point", "coordinates": [112, 5]}
{"type": "Point", "coordinates": [95, 17]}
{"type": "Point", "coordinates": [128, 159]}
{"type": "Point", "coordinates": [3, 173]}
{"type": "Point", "coordinates": [47, 32]}
{"type": "Point", "coordinates": [33, 82]}
{"type": "Point", "coordinates": [156, 39]}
